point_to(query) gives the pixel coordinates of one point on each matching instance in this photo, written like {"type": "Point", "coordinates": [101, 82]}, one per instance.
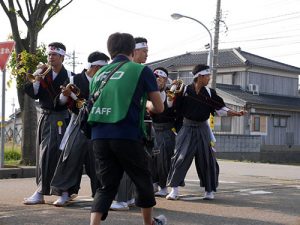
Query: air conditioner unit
{"type": "Point", "coordinates": [254, 88]}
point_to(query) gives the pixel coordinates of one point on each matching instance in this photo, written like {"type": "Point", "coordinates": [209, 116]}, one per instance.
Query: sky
{"type": "Point", "coordinates": [269, 28]}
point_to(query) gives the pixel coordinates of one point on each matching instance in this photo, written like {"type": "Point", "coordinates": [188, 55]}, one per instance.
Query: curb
{"type": "Point", "coordinates": [18, 172]}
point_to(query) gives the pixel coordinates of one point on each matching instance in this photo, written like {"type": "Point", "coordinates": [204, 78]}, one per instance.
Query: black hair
{"type": "Point", "coordinates": [95, 56]}
{"type": "Point", "coordinates": [163, 69]}
{"type": "Point", "coordinates": [199, 68]}
{"type": "Point", "coordinates": [58, 45]}
{"type": "Point", "coordinates": [140, 40]}
{"type": "Point", "coordinates": [120, 43]}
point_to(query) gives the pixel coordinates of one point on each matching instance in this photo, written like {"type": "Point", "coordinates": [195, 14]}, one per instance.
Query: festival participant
{"type": "Point", "coordinates": [53, 120]}
{"type": "Point", "coordinates": [77, 148]}
{"type": "Point", "coordinates": [141, 50]}
{"type": "Point", "coordinates": [164, 125]}
{"type": "Point", "coordinates": [120, 93]}
{"type": "Point", "coordinates": [124, 198]}
{"type": "Point", "coordinates": [195, 104]}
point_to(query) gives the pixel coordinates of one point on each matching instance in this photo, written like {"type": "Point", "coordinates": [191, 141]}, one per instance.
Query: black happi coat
{"type": "Point", "coordinates": [49, 90]}
{"type": "Point", "coordinates": [81, 81]}
{"type": "Point", "coordinates": [197, 107]}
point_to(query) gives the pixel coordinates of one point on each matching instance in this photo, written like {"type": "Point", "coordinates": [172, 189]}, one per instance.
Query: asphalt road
{"type": "Point", "coordinates": [248, 194]}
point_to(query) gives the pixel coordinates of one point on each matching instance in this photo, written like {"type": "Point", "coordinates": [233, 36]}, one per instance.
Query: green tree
{"type": "Point", "coordinates": [35, 14]}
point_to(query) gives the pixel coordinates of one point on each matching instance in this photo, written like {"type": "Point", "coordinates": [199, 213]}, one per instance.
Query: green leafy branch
{"type": "Point", "coordinates": [25, 62]}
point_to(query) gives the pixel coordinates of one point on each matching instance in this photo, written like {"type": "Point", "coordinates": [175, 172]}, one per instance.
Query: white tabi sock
{"type": "Point", "coordinates": [174, 191]}
{"type": "Point", "coordinates": [36, 196]}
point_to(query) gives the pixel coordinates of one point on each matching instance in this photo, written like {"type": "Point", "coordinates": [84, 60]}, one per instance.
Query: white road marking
{"type": "Point", "coordinates": [191, 198]}
{"type": "Point", "coordinates": [244, 190]}
{"type": "Point", "coordinates": [260, 192]}
{"type": "Point", "coordinates": [5, 217]}
{"type": "Point", "coordinates": [294, 186]}
{"type": "Point", "coordinates": [221, 181]}
{"type": "Point", "coordinates": [228, 182]}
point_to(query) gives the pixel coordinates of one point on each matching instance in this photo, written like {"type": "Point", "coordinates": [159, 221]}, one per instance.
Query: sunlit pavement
{"type": "Point", "coordinates": [248, 193]}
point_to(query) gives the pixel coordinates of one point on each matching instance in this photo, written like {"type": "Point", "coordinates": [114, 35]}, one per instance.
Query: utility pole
{"type": "Point", "coordinates": [3, 121]}
{"type": "Point", "coordinates": [14, 126]}
{"type": "Point", "coordinates": [216, 45]}
{"type": "Point", "coordinates": [72, 61]}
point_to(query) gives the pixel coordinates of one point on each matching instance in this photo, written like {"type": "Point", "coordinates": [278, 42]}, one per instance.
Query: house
{"type": "Point", "coordinates": [266, 89]}
{"type": "Point", "coordinates": [14, 127]}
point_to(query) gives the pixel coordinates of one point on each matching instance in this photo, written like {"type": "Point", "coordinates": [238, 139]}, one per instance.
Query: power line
{"type": "Point", "coordinates": [279, 32]}
{"type": "Point", "coordinates": [261, 24]}
{"type": "Point", "coordinates": [131, 12]}
{"type": "Point", "coordinates": [266, 18]}
{"type": "Point", "coordinates": [260, 39]}
{"type": "Point", "coordinates": [274, 45]}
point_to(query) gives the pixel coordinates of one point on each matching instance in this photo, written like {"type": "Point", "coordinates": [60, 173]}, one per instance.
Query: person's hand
{"type": "Point", "coordinates": [41, 66]}
{"type": "Point", "coordinates": [40, 69]}
{"type": "Point", "coordinates": [65, 91]}
{"type": "Point", "coordinates": [38, 78]}
{"type": "Point", "coordinates": [241, 113]}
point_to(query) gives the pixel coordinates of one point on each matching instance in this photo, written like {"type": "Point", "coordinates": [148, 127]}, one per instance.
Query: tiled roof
{"type": "Point", "coordinates": [264, 62]}
{"type": "Point", "coordinates": [227, 58]}
{"type": "Point", "coordinates": [261, 99]}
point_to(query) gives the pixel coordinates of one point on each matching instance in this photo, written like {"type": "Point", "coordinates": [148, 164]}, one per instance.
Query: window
{"type": "Point", "coordinates": [222, 124]}
{"type": "Point", "coordinates": [276, 121]}
{"type": "Point", "coordinates": [224, 79]}
{"type": "Point", "coordinates": [283, 122]}
{"type": "Point", "coordinates": [258, 124]}
{"type": "Point", "coordinates": [279, 121]}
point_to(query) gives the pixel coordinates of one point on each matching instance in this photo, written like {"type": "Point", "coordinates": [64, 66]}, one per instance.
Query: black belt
{"type": "Point", "coordinates": [194, 123]}
{"type": "Point", "coordinates": [163, 126]}
{"type": "Point", "coordinates": [51, 111]}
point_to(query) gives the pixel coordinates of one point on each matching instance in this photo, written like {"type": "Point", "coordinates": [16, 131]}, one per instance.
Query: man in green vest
{"type": "Point", "coordinates": [125, 196]}
{"type": "Point", "coordinates": [120, 91]}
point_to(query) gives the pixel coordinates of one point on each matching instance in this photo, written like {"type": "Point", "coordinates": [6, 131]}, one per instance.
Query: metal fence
{"type": "Point", "coordinates": [12, 135]}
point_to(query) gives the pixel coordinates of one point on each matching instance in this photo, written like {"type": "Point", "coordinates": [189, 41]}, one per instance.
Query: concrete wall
{"type": "Point", "coordinates": [238, 143]}
{"type": "Point", "coordinates": [249, 148]}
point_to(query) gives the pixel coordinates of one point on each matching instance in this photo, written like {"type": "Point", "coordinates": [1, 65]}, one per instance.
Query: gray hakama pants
{"type": "Point", "coordinates": [51, 128]}
{"type": "Point", "coordinates": [193, 141]}
{"type": "Point", "coordinates": [126, 189]}
{"type": "Point", "coordinates": [165, 141]}
{"type": "Point", "coordinates": [76, 151]}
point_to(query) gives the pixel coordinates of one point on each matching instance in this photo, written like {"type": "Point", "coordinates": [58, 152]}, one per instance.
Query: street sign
{"type": "Point", "coordinates": [5, 51]}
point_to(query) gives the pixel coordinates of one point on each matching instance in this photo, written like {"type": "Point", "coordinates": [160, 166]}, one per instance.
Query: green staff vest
{"type": "Point", "coordinates": [116, 96]}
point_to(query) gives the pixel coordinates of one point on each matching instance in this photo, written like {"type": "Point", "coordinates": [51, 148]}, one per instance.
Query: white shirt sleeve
{"type": "Point", "coordinates": [170, 103]}
{"type": "Point", "coordinates": [62, 99]}
{"type": "Point", "coordinates": [223, 111]}
{"type": "Point", "coordinates": [36, 86]}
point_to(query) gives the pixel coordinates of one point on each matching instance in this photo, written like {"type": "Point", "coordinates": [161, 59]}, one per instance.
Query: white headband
{"type": "Point", "coordinates": [160, 73]}
{"type": "Point", "coordinates": [202, 73]}
{"type": "Point", "coordinates": [53, 49]}
{"type": "Point", "coordinates": [141, 45]}
{"type": "Point", "coordinates": [96, 63]}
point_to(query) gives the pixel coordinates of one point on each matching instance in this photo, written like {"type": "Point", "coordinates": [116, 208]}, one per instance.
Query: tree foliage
{"type": "Point", "coordinates": [20, 64]}
{"type": "Point", "coordinates": [35, 14]}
